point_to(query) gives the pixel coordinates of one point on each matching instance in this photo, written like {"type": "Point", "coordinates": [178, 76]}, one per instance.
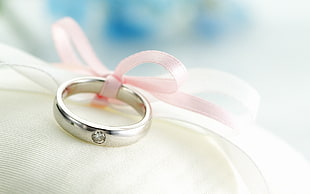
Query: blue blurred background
{"type": "Point", "coordinates": [265, 42]}
{"type": "Point", "coordinates": [121, 20]}
{"type": "Point", "coordinates": [129, 25]}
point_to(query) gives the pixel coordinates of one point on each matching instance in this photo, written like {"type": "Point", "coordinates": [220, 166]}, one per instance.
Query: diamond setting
{"type": "Point", "coordinates": [98, 137]}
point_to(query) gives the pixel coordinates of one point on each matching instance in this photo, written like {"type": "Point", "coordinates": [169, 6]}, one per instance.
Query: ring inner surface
{"type": "Point", "coordinates": [94, 86]}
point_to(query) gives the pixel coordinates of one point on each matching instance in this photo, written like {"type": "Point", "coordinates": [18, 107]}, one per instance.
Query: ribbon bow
{"type": "Point", "coordinates": [67, 33]}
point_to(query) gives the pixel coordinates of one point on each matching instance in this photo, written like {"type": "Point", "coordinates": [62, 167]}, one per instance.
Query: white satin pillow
{"type": "Point", "coordinates": [36, 156]}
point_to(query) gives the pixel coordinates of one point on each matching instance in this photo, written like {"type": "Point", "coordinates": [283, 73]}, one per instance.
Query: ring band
{"type": "Point", "coordinates": [98, 134]}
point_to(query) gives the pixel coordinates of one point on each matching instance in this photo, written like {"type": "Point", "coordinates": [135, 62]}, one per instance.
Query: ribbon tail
{"type": "Point", "coordinates": [203, 107]}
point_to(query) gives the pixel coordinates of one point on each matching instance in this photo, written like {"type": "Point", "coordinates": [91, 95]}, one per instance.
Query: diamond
{"type": "Point", "coordinates": [98, 137]}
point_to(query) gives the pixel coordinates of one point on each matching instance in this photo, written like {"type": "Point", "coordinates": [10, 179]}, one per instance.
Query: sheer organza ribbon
{"type": "Point", "coordinates": [69, 38]}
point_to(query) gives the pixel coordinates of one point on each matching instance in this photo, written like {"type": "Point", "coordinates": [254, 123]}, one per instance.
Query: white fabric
{"type": "Point", "coordinates": [36, 156]}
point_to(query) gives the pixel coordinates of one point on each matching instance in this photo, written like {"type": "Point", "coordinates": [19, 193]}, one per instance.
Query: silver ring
{"type": "Point", "coordinates": [95, 133]}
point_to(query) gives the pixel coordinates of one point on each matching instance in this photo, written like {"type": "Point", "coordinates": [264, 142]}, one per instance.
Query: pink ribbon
{"type": "Point", "coordinates": [69, 39]}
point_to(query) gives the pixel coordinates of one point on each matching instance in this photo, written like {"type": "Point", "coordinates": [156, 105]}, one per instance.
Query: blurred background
{"type": "Point", "coordinates": [265, 42]}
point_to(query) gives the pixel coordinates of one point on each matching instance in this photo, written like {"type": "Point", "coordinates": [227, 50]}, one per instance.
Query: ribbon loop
{"type": "Point", "coordinates": [67, 32]}
{"type": "Point", "coordinates": [175, 68]}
